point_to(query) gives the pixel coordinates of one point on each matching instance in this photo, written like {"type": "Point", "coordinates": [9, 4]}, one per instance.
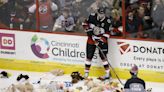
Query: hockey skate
{"type": "Point", "coordinates": [86, 75]}
{"type": "Point", "coordinates": [105, 77]}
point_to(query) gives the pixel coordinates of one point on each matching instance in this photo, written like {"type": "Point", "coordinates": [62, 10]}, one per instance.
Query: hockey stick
{"type": "Point", "coordinates": [109, 64]}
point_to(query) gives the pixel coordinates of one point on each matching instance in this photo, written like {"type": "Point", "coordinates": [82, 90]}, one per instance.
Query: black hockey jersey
{"type": "Point", "coordinates": [134, 85]}
{"type": "Point", "coordinates": [102, 23]}
{"type": "Point", "coordinates": [93, 21]}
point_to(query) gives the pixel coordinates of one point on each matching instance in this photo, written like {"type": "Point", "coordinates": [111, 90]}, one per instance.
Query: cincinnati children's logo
{"type": "Point", "coordinates": [124, 47]}
{"type": "Point", "coordinates": [40, 47]}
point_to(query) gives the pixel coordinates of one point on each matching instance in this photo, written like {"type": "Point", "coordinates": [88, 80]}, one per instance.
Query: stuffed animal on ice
{"type": "Point", "coordinates": [57, 72]}
{"type": "Point", "coordinates": [50, 76]}
{"type": "Point", "coordinates": [4, 74]}
{"type": "Point", "coordinates": [55, 86]}
{"type": "Point", "coordinates": [27, 87]}
{"type": "Point", "coordinates": [97, 89]}
{"type": "Point", "coordinates": [21, 76]}
{"type": "Point", "coordinates": [99, 86]}
{"type": "Point", "coordinates": [76, 76]}
{"type": "Point", "coordinates": [112, 87]}
{"type": "Point", "coordinates": [149, 90]}
{"type": "Point", "coordinates": [89, 83]}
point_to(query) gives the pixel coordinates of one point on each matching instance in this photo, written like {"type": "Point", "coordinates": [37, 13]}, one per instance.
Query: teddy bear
{"type": "Point", "coordinates": [57, 72]}
{"type": "Point", "coordinates": [27, 87]}
{"type": "Point", "coordinates": [90, 83]}
{"type": "Point", "coordinates": [76, 76]}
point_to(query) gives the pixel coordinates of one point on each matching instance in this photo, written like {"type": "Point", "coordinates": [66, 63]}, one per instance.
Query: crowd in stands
{"type": "Point", "coordinates": [144, 19]}
{"type": "Point", "coordinates": [15, 14]}
{"type": "Point", "coordinates": [69, 14]}
{"type": "Point", "coordinates": [56, 15]}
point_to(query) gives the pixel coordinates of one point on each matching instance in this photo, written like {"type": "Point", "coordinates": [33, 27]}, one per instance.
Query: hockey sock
{"type": "Point", "coordinates": [107, 70]}
{"type": "Point", "coordinates": [86, 73]}
{"type": "Point", "coordinates": [87, 68]}
{"type": "Point", "coordinates": [107, 75]}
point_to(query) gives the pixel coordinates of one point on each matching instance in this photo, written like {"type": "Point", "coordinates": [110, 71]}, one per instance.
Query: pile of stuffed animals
{"type": "Point", "coordinates": [89, 85]}
{"type": "Point", "coordinates": [94, 85]}
{"type": "Point", "coordinates": [26, 87]}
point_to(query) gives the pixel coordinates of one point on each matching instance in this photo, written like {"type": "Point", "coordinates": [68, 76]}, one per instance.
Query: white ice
{"type": "Point", "coordinates": [35, 76]}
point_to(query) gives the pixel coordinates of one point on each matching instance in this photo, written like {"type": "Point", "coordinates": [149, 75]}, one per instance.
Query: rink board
{"type": "Point", "coordinates": [26, 65]}
{"type": "Point", "coordinates": [42, 52]}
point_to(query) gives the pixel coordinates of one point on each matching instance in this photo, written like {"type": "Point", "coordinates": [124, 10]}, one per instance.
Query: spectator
{"type": "Point", "coordinates": [147, 16]}
{"type": "Point", "coordinates": [46, 8]}
{"type": "Point", "coordinates": [144, 15]}
{"type": "Point", "coordinates": [140, 18]}
{"type": "Point", "coordinates": [157, 16]}
{"type": "Point", "coordinates": [18, 18]}
{"type": "Point", "coordinates": [132, 3]}
{"type": "Point", "coordinates": [75, 9]}
{"type": "Point", "coordinates": [110, 2]}
{"type": "Point", "coordinates": [116, 23]}
{"type": "Point", "coordinates": [14, 14]}
{"type": "Point", "coordinates": [134, 84]}
{"type": "Point", "coordinates": [64, 3]}
{"type": "Point", "coordinates": [133, 25]}
{"type": "Point", "coordinates": [94, 6]}
{"type": "Point", "coordinates": [64, 22]}
{"type": "Point", "coordinates": [2, 2]}
{"type": "Point", "coordinates": [5, 9]}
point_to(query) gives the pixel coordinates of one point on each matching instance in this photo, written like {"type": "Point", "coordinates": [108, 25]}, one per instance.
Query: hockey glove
{"type": "Point", "coordinates": [98, 40]}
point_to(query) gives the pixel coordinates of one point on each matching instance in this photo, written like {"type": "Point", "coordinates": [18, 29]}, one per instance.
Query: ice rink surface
{"type": "Point", "coordinates": [35, 76]}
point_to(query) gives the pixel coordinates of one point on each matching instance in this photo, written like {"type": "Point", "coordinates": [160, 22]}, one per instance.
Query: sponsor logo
{"type": "Point", "coordinates": [59, 51]}
{"type": "Point", "coordinates": [124, 47]}
{"type": "Point", "coordinates": [7, 41]}
{"type": "Point", "coordinates": [148, 50]}
{"type": "Point", "coordinates": [40, 47]}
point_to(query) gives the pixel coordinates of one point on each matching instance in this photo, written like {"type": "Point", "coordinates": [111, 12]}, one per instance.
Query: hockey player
{"type": "Point", "coordinates": [134, 84]}
{"type": "Point", "coordinates": [97, 28]}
